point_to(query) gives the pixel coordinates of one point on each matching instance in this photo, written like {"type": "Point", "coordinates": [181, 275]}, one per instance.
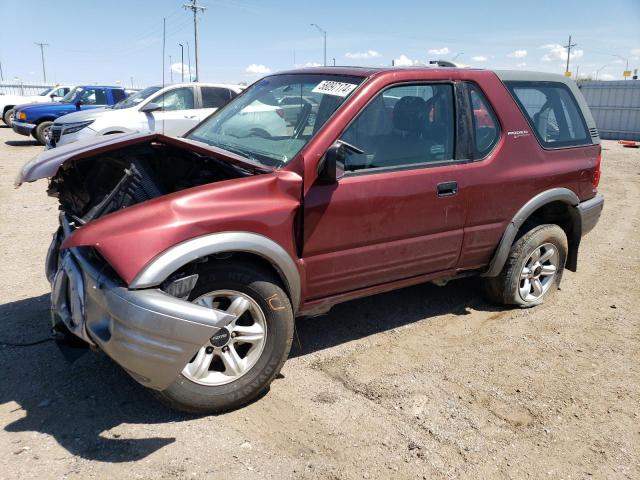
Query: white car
{"type": "Point", "coordinates": [7, 102]}
{"type": "Point", "coordinates": [172, 110]}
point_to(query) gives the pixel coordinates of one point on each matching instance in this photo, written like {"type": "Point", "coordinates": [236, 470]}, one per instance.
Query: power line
{"type": "Point", "coordinates": [194, 8]}
{"type": "Point", "coordinates": [44, 72]}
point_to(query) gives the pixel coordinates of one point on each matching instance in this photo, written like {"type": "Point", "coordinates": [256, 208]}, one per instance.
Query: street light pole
{"type": "Point", "coordinates": [456, 56]}
{"type": "Point", "coordinates": [600, 69]}
{"type": "Point", "coordinates": [182, 61]}
{"type": "Point", "coordinates": [189, 59]}
{"type": "Point", "coordinates": [622, 58]}
{"type": "Point", "coordinates": [324, 33]}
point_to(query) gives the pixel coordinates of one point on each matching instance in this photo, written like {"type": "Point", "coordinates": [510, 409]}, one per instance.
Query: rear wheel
{"type": "Point", "coordinates": [533, 269]}
{"type": "Point", "coordinates": [8, 116]}
{"type": "Point", "coordinates": [42, 132]}
{"type": "Point", "coordinates": [240, 361]}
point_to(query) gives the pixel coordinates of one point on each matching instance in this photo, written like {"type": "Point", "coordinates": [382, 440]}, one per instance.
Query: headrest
{"type": "Point", "coordinates": [410, 114]}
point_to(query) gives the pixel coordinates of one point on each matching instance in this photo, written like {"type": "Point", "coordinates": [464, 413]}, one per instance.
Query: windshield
{"type": "Point", "coordinates": [44, 92]}
{"type": "Point", "coordinates": [136, 98]}
{"type": "Point", "coordinates": [277, 116]}
{"type": "Point", "coordinates": [68, 98]}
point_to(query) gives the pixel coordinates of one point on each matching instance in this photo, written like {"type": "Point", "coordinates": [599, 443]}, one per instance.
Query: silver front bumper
{"type": "Point", "coordinates": [152, 335]}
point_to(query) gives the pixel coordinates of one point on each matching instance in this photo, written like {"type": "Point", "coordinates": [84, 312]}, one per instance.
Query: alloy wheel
{"type": "Point", "coordinates": [539, 272]}
{"type": "Point", "coordinates": [234, 350]}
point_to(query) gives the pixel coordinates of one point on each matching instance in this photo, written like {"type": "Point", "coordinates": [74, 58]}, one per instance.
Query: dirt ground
{"type": "Point", "coordinates": [425, 382]}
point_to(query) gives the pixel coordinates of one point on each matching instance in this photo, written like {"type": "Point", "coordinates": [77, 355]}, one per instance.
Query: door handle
{"type": "Point", "coordinates": [190, 116]}
{"type": "Point", "coordinates": [447, 189]}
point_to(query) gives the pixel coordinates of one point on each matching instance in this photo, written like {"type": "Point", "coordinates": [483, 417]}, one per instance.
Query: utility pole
{"type": "Point", "coordinates": [1, 75]}
{"type": "Point", "coordinates": [182, 61]}
{"type": "Point", "coordinates": [194, 8]}
{"type": "Point", "coordinates": [324, 33]}
{"type": "Point", "coordinates": [44, 72]}
{"type": "Point", "coordinates": [569, 46]}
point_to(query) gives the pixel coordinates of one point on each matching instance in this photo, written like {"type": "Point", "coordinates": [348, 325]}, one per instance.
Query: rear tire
{"type": "Point", "coordinates": [533, 269]}
{"type": "Point", "coordinates": [209, 389]}
{"type": "Point", "coordinates": [42, 132]}
{"type": "Point", "coordinates": [8, 117]}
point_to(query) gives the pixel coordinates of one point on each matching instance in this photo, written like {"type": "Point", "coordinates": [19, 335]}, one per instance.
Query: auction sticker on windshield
{"type": "Point", "coordinates": [339, 89]}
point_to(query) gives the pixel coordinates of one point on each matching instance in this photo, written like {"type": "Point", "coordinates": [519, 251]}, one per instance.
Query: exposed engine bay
{"type": "Point", "coordinates": [91, 188]}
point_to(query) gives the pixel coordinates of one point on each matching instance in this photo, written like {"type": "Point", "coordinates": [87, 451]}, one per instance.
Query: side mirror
{"type": "Point", "coordinates": [150, 107]}
{"type": "Point", "coordinates": [331, 168]}
{"type": "Point", "coordinates": [78, 103]}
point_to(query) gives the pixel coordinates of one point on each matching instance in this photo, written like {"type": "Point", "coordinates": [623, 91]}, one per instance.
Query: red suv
{"type": "Point", "coordinates": [187, 259]}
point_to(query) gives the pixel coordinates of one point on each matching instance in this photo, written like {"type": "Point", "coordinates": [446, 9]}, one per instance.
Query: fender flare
{"type": "Point", "coordinates": [502, 252]}
{"type": "Point", "coordinates": [175, 257]}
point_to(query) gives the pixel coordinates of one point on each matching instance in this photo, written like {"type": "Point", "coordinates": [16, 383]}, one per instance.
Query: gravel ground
{"type": "Point", "coordinates": [425, 382]}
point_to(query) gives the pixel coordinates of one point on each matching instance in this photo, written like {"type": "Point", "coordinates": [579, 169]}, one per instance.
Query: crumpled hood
{"type": "Point", "coordinates": [47, 163]}
{"type": "Point", "coordinates": [83, 115]}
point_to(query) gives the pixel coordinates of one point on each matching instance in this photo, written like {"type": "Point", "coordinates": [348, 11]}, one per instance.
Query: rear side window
{"type": "Point", "coordinates": [214, 97]}
{"type": "Point", "coordinates": [553, 113]}
{"type": "Point", "coordinates": [118, 95]}
{"type": "Point", "coordinates": [486, 128]}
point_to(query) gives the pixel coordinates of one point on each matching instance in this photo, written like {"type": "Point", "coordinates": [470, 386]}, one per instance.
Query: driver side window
{"type": "Point", "coordinates": [403, 126]}
{"type": "Point", "coordinates": [178, 99]}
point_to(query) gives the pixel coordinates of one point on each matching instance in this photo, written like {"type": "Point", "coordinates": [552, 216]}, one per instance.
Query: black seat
{"type": "Point", "coordinates": [408, 141]}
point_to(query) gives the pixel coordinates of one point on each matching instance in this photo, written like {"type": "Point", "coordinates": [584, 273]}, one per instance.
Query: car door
{"type": "Point", "coordinates": [177, 112]}
{"type": "Point", "coordinates": [213, 98]}
{"type": "Point", "coordinates": [397, 212]}
{"type": "Point", "coordinates": [93, 97]}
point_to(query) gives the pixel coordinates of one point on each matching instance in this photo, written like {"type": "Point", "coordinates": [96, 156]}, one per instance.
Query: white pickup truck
{"type": "Point", "coordinates": [8, 102]}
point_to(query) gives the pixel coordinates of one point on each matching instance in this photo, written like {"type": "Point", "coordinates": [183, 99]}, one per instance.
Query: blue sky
{"type": "Point", "coordinates": [103, 41]}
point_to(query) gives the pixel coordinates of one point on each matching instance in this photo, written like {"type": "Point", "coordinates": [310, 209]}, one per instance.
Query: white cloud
{"type": "Point", "coordinates": [605, 76]}
{"type": "Point", "coordinates": [618, 61]}
{"type": "Point", "coordinates": [479, 58]}
{"type": "Point", "coordinates": [403, 61]}
{"type": "Point", "coordinates": [517, 54]}
{"type": "Point", "coordinates": [521, 64]}
{"type": "Point", "coordinates": [257, 69]}
{"type": "Point", "coordinates": [360, 55]}
{"type": "Point", "coordinates": [439, 51]}
{"type": "Point", "coordinates": [312, 64]}
{"type": "Point", "coordinates": [177, 68]}
{"type": "Point", "coordinates": [555, 51]}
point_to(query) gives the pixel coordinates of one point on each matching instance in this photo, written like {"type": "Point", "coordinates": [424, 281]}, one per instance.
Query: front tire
{"type": "Point", "coordinates": [42, 132]}
{"type": "Point", "coordinates": [226, 375]}
{"type": "Point", "coordinates": [533, 269]}
{"type": "Point", "coordinates": [8, 117]}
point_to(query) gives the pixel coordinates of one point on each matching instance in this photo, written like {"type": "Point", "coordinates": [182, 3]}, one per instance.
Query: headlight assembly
{"type": "Point", "coordinates": [74, 127]}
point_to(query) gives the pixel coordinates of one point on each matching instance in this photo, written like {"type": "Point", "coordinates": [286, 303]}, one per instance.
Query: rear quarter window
{"type": "Point", "coordinates": [552, 112]}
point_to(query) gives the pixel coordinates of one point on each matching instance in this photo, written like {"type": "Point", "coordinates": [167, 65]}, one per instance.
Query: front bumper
{"type": "Point", "coordinates": [22, 128]}
{"type": "Point", "coordinates": [590, 211]}
{"type": "Point", "coordinates": [151, 334]}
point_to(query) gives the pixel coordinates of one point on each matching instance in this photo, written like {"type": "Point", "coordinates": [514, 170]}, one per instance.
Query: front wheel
{"type": "Point", "coordinates": [533, 269]}
{"type": "Point", "coordinates": [42, 132]}
{"type": "Point", "coordinates": [240, 361]}
{"type": "Point", "coordinates": [8, 117]}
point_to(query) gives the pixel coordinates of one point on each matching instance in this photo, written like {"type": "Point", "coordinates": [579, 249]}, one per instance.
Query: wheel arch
{"type": "Point", "coordinates": [557, 206]}
{"type": "Point", "coordinates": [6, 108]}
{"type": "Point", "coordinates": [250, 244]}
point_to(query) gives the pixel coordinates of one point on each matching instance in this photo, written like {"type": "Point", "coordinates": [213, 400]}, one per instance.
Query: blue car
{"type": "Point", "coordinates": [36, 119]}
